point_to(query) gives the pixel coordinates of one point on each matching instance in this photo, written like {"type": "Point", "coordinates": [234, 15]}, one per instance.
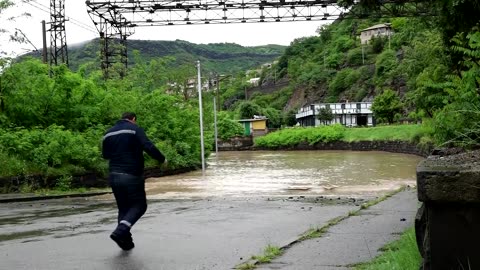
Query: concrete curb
{"type": "Point", "coordinates": [21, 198]}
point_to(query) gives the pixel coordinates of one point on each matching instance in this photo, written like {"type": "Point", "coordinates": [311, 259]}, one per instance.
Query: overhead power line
{"type": "Point", "coordinates": [74, 21]}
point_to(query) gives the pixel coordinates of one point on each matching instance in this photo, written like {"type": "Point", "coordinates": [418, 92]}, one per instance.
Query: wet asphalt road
{"type": "Point", "coordinates": [217, 233]}
{"type": "Point", "coordinates": [246, 201]}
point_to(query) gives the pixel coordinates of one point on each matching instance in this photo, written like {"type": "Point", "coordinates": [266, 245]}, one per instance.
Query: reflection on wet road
{"type": "Point", "coordinates": [290, 173]}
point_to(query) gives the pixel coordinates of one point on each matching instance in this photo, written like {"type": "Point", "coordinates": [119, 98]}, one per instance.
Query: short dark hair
{"type": "Point", "coordinates": [129, 115]}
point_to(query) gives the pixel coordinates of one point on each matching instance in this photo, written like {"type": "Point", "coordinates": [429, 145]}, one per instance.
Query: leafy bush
{"type": "Point", "coordinates": [355, 57]}
{"type": "Point", "coordinates": [457, 122]}
{"type": "Point", "coordinates": [293, 136]}
{"type": "Point", "coordinates": [377, 44]}
{"type": "Point", "coordinates": [247, 109]}
{"type": "Point", "coordinates": [228, 128]}
{"type": "Point", "coordinates": [343, 80]}
{"type": "Point", "coordinates": [59, 132]}
{"type": "Point", "coordinates": [52, 147]}
{"type": "Point", "coordinates": [386, 61]}
{"type": "Point", "coordinates": [344, 43]}
{"type": "Point", "coordinates": [288, 118]}
{"type": "Point", "coordinates": [274, 117]}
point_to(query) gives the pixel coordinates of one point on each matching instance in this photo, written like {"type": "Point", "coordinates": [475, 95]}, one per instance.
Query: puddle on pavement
{"type": "Point", "coordinates": [278, 173]}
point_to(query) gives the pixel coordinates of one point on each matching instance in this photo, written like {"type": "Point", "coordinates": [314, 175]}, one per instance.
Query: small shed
{"type": "Point", "coordinates": [256, 126]}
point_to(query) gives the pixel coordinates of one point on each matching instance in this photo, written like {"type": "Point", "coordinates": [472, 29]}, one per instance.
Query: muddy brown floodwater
{"type": "Point", "coordinates": [277, 173]}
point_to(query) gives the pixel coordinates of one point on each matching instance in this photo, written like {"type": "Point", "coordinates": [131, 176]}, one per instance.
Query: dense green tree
{"type": "Point", "coordinates": [386, 105]}
{"type": "Point", "coordinates": [274, 117]}
{"type": "Point", "coordinates": [325, 115]}
{"type": "Point", "coordinates": [247, 109]}
{"type": "Point", "coordinates": [228, 127]}
{"type": "Point", "coordinates": [377, 44]}
{"type": "Point", "coordinates": [386, 62]}
{"type": "Point", "coordinates": [53, 125]}
{"type": "Point", "coordinates": [289, 118]}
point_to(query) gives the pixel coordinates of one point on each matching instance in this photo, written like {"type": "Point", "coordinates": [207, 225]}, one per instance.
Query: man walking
{"type": "Point", "coordinates": [123, 146]}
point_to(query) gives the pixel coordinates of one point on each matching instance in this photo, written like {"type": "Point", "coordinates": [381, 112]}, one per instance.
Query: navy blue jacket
{"type": "Point", "coordinates": [123, 146]}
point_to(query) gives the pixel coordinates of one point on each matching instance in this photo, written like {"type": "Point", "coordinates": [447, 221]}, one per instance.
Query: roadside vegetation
{"type": "Point", "coordinates": [409, 133]}
{"type": "Point", "coordinates": [290, 137]}
{"type": "Point", "coordinates": [399, 255]}
{"type": "Point", "coordinates": [294, 136]}
{"type": "Point", "coordinates": [53, 126]}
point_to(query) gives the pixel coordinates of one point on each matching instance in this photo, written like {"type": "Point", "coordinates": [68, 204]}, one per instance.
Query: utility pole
{"type": "Point", "coordinates": [389, 40]}
{"type": "Point", "coordinates": [201, 116]}
{"type": "Point", "coordinates": [363, 56]}
{"type": "Point", "coordinates": [44, 35]}
{"type": "Point", "coordinates": [324, 61]}
{"type": "Point", "coordinates": [215, 121]}
{"type": "Point", "coordinates": [218, 92]}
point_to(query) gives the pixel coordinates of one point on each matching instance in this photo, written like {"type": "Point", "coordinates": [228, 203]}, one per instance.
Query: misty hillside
{"type": "Point", "coordinates": [215, 57]}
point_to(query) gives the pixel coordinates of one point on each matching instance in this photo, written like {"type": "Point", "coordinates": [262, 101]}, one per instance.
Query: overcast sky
{"type": "Point", "coordinates": [80, 28]}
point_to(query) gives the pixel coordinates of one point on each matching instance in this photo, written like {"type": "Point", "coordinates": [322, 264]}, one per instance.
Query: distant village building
{"type": "Point", "coordinates": [254, 81]}
{"type": "Point", "coordinates": [348, 114]}
{"type": "Point", "coordinates": [384, 29]}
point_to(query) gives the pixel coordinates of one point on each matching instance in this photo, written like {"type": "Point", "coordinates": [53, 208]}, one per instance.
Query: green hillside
{"type": "Point", "coordinates": [215, 57]}
{"type": "Point", "coordinates": [428, 70]}
{"type": "Point", "coordinates": [334, 66]}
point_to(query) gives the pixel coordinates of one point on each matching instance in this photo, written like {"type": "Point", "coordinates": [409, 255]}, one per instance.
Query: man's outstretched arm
{"type": "Point", "coordinates": [149, 147]}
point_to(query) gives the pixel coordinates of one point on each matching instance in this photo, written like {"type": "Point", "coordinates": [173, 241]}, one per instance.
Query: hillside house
{"type": "Point", "coordinates": [384, 29]}
{"type": "Point", "coordinates": [348, 114]}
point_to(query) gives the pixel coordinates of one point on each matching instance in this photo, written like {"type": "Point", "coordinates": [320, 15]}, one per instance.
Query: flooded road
{"type": "Point", "coordinates": [244, 202]}
{"type": "Point", "coordinates": [275, 173]}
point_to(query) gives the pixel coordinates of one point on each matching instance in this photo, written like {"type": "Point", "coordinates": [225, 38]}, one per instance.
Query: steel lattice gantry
{"type": "Point", "coordinates": [58, 39]}
{"type": "Point", "coordinates": [115, 20]}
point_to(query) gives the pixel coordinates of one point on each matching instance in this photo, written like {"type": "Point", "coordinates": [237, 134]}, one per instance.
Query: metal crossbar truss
{"type": "Point", "coordinates": [117, 19]}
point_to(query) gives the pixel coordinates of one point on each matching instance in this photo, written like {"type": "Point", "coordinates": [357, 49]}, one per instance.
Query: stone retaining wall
{"type": "Point", "coordinates": [236, 143]}
{"type": "Point", "coordinates": [387, 146]}
{"type": "Point", "coordinates": [15, 184]}
{"type": "Point", "coordinates": [447, 225]}
{"type": "Point", "coordinates": [87, 180]}
{"type": "Point", "coordinates": [246, 143]}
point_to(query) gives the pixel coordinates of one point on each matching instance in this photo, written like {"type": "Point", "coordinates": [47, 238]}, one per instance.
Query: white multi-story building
{"type": "Point", "coordinates": [350, 114]}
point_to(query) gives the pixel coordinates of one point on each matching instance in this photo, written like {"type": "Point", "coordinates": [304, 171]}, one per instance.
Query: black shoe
{"type": "Point", "coordinates": [124, 243]}
{"type": "Point", "coordinates": [123, 238]}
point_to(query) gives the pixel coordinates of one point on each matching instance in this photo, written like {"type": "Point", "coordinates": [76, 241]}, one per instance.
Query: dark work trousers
{"type": "Point", "coordinates": [129, 191]}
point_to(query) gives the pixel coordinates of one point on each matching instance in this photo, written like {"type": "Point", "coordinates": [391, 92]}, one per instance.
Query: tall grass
{"type": "Point", "coordinates": [385, 133]}
{"type": "Point", "coordinates": [399, 255]}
